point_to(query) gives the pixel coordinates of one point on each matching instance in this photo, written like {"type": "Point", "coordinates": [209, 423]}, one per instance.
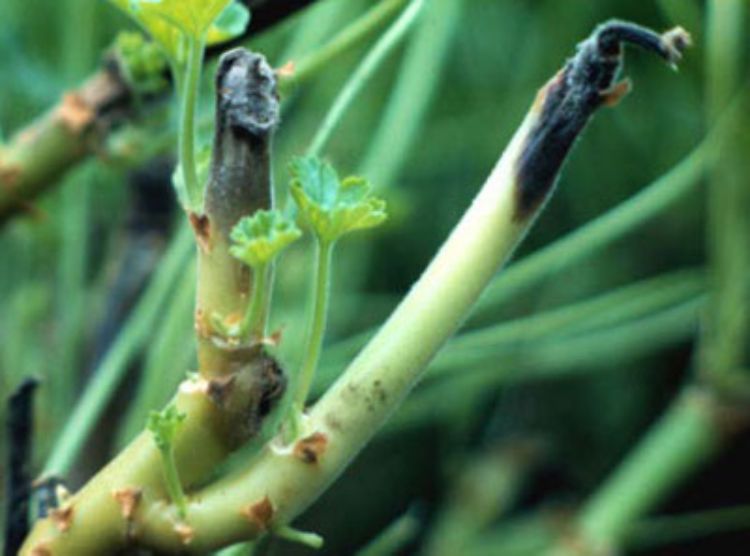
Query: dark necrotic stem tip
{"type": "Point", "coordinates": [588, 80]}
{"type": "Point", "coordinates": [247, 113]}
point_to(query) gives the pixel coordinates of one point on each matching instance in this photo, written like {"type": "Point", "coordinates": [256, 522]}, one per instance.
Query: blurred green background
{"type": "Point", "coordinates": [525, 421]}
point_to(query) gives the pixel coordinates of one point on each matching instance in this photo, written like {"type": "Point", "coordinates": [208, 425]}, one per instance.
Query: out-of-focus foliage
{"type": "Point", "coordinates": [73, 269]}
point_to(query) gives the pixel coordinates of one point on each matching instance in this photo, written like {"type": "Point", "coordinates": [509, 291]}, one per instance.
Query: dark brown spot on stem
{"type": "Point", "coordinates": [311, 448]}
{"type": "Point", "coordinates": [220, 388]}
{"type": "Point", "coordinates": [259, 514]}
{"type": "Point", "coordinates": [202, 229]}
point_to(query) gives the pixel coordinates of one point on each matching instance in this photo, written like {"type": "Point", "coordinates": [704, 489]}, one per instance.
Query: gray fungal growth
{"type": "Point", "coordinates": [588, 81]}
{"type": "Point", "coordinates": [247, 113]}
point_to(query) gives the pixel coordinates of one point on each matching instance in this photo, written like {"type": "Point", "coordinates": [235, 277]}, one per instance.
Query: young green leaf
{"type": "Point", "coordinates": [163, 426]}
{"type": "Point", "coordinates": [257, 239]}
{"type": "Point", "coordinates": [330, 206]}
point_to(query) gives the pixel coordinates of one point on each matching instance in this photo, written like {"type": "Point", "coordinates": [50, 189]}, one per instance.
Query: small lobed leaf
{"type": "Point", "coordinates": [163, 425]}
{"type": "Point", "coordinates": [257, 239]}
{"type": "Point", "coordinates": [330, 206]}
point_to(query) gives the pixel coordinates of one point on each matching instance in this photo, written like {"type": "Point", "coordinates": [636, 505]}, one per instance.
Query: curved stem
{"type": "Point", "coordinates": [189, 93]}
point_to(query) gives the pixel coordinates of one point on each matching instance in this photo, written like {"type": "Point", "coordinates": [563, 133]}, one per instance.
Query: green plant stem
{"type": "Point", "coordinates": [377, 381]}
{"type": "Point", "coordinates": [312, 540]}
{"type": "Point", "coordinates": [665, 530]}
{"type": "Point", "coordinates": [78, 51]}
{"type": "Point", "coordinates": [684, 438]}
{"type": "Point", "coordinates": [172, 481]}
{"type": "Point", "coordinates": [114, 364]}
{"type": "Point", "coordinates": [37, 156]}
{"type": "Point", "coordinates": [724, 342]}
{"type": "Point", "coordinates": [394, 538]}
{"type": "Point", "coordinates": [418, 80]}
{"type": "Point", "coordinates": [256, 318]}
{"type": "Point", "coordinates": [166, 359]}
{"type": "Point", "coordinates": [486, 488]}
{"type": "Point", "coordinates": [611, 309]}
{"type": "Point", "coordinates": [348, 38]}
{"type": "Point", "coordinates": [549, 359]}
{"type": "Point", "coordinates": [322, 293]}
{"type": "Point", "coordinates": [188, 102]}
{"type": "Point", "coordinates": [363, 73]}
{"type": "Point", "coordinates": [348, 415]}
{"type": "Point", "coordinates": [636, 211]}
{"type": "Point", "coordinates": [590, 238]}
{"type": "Point", "coordinates": [352, 411]}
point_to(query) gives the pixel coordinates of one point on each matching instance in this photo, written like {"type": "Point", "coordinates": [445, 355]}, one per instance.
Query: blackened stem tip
{"type": "Point", "coordinates": [610, 37]}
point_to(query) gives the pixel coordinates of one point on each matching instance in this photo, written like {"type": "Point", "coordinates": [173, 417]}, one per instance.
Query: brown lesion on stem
{"type": "Point", "coordinates": [201, 229]}
{"type": "Point", "coordinates": [567, 102]}
{"type": "Point", "coordinates": [311, 448]}
{"type": "Point", "coordinates": [40, 550]}
{"type": "Point", "coordinates": [246, 396]}
{"type": "Point", "coordinates": [62, 517]}
{"type": "Point", "coordinates": [128, 500]}
{"type": "Point", "coordinates": [259, 514]}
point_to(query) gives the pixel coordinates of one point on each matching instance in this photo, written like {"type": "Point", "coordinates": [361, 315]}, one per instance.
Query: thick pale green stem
{"type": "Point", "coordinates": [238, 186]}
{"type": "Point", "coordinates": [36, 157]}
{"type": "Point", "coordinates": [376, 382]}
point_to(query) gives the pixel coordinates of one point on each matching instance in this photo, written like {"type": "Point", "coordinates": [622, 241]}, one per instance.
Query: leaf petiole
{"type": "Point", "coordinates": [324, 253]}
{"type": "Point", "coordinates": [190, 82]}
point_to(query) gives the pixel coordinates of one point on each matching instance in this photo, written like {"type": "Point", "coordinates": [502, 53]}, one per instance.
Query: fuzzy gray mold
{"type": "Point", "coordinates": [247, 113]}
